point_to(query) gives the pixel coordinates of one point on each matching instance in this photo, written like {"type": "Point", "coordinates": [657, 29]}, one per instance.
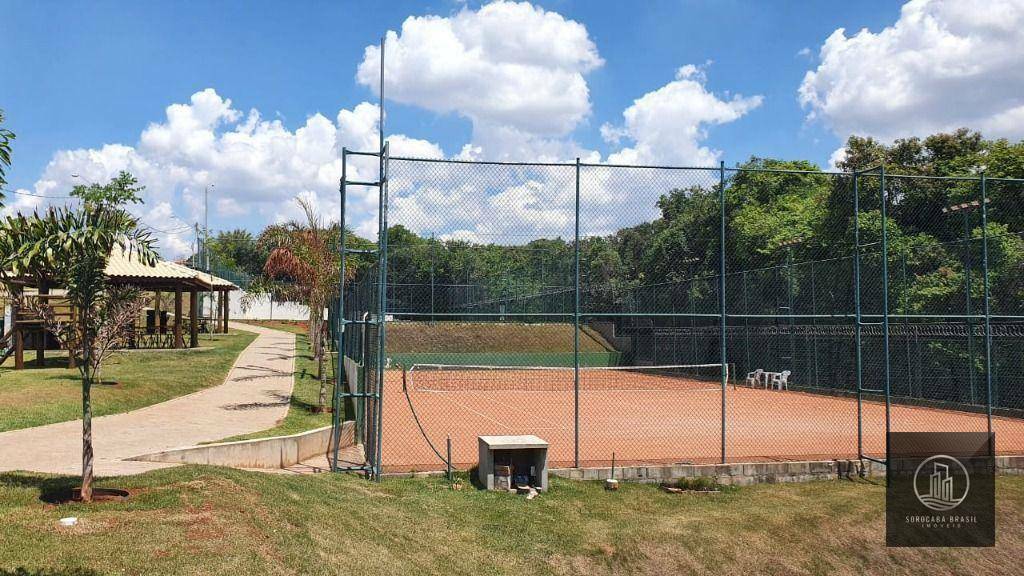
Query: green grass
{"type": "Point", "coordinates": [293, 326]}
{"type": "Point", "coordinates": [471, 337]}
{"type": "Point", "coordinates": [132, 379]}
{"type": "Point", "coordinates": [200, 520]}
{"type": "Point", "coordinates": [305, 396]}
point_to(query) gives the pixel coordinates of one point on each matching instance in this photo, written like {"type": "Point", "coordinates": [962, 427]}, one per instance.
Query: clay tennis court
{"type": "Point", "coordinates": [643, 419]}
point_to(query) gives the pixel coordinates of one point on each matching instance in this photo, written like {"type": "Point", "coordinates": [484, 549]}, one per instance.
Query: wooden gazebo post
{"type": "Point", "coordinates": [43, 291]}
{"type": "Point", "coordinates": [227, 307]}
{"type": "Point", "coordinates": [193, 316]}
{"type": "Point", "coordinates": [161, 328]}
{"type": "Point", "coordinates": [178, 341]}
{"type": "Point", "coordinates": [218, 304]}
{"type": "Point", "coordinates": [19, 336]}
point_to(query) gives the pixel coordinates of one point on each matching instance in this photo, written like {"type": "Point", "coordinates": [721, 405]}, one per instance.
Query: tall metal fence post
{"type": "Point", "coordinates": [885, 314]}
{"type": "Point", "coordinates": [339, 371]}
{"type": "Point", "coordinates": [721, 294]}
{"type": "Point", "coordinates": [382, 306]}
{"type": "Point", "coordinates": [859, 369]}
{"type": "Point", "coordinates": [576, 331]}
{"type": "Point", "coordinates": [988, 310]}
{"type": "Point", "coordinates": [433, 255]}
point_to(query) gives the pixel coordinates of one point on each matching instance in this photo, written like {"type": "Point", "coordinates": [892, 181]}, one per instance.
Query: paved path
{"type": "Point", "coordinates": [253, 397]}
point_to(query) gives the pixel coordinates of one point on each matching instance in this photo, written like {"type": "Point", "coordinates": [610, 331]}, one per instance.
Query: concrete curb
{"type": "Point", "coordinates": [742, 474]}
{"type": "Point", "coordinates": [268, 453]}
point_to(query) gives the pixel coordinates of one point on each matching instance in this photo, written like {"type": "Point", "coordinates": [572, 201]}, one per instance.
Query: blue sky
{"type": "Point", "coordinates": [82, 75]}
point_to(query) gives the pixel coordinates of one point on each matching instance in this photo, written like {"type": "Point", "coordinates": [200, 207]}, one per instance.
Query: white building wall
{"type": "Point", "coordinates": [263, 309]}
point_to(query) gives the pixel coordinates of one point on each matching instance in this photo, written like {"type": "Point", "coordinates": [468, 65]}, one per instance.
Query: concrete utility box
{"type": "Point", "coordinates": [526, 455]}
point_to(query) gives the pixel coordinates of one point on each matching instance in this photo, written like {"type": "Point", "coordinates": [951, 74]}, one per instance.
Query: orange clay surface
{"type": "Point", "coordinates": [644, 419]}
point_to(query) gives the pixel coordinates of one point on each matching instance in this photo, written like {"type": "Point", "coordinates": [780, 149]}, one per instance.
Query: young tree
{"type": "Point", "coordinates": [70, 247]}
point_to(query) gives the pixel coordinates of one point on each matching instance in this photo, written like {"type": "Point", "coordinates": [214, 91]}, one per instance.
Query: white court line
{"type": "Point", "coordinates": [478, 413]}
{"type": "Point", "coordinates": [553, 423]}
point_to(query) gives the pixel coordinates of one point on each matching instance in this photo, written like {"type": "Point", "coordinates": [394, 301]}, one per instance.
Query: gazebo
{"type": "Point", "coordinates": [159, 328]}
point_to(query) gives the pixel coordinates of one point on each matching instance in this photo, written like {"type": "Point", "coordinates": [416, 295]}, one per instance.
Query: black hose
{"type": "Point", "coordinates": [416, 417]}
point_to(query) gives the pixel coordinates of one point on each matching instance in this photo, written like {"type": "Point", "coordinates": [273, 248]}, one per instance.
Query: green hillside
{"type": "Point", "coordinates": [494, 343]}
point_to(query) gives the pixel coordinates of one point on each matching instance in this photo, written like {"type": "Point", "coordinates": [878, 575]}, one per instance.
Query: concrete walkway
{"type": "Point", "coordinates": [254, 397]}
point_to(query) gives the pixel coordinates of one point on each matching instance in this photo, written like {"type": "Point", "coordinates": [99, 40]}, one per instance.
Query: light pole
{"type": "Point", "coordinates": [965, 208]}
{"type": "Point", "coordinates": [689, 262]}
{"type": "Point", "coordinates": [206, 226]}
{"type": "Point", "coordinates": [206, 246]}
{"type": "Point", "coordinates": [788, 245]}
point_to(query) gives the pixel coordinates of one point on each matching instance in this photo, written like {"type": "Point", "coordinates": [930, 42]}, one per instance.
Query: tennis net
{"type": "Point", "coordinates": [483, 378]}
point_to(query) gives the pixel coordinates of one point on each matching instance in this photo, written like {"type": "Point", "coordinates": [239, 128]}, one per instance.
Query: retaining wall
{"type": "Point", "coordinates": [757, 472]}
{"type": "Point", "coordinates": [274, 452]}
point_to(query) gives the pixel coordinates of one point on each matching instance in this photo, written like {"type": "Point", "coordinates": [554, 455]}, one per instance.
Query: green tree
{"type": "Point", "coordinates": [238, 250]}
{"type": "Point", "coordinates": [70, 247]}
{"type": "Point", "coordinates": [305, 255]}
{"type": "Point", "coordinates": [770, 208]}
{"type": "Point", "coordinates": [122, 189]}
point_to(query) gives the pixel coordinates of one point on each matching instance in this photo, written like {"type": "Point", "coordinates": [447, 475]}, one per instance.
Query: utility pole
{"type": "Point", "coordinates": [206, 226]}
{"type": "Point", "coordinates": [206, 244]}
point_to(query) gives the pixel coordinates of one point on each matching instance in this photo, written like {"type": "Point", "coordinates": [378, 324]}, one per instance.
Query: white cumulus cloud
{"type": "Point", "coordinates": [944, 64]}
{"type": "Point", "coordinates": [254, 166]}
{"type": "Point", "coordinates": [515, 70]}
{"type": "Point", "coordinates": [669, 125]}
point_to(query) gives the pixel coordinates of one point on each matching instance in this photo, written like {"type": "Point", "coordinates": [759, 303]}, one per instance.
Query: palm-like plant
{"type": "Point", "coordinates": [305, 254]}
{"type": "Point", "coordinates": [6, 136]}
{"type": "Point", "coordinates": [70, 247]}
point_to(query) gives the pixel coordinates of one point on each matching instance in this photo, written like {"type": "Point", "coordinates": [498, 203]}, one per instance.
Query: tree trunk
{"type": "Point", "coordinates": [320, 374]}
{"type": "Point", "coordinates": [319, 351]}
{"type": "Point", "coordinates": [87, 373]}
{"type": "Point", "coordinates": [87, 455]}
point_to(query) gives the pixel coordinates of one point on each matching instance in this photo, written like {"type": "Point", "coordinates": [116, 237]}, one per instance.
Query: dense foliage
{"type": "Point", "coordinates": [777, 213]}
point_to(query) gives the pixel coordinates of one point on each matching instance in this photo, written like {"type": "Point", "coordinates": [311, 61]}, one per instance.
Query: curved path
{"type": "Point", "coordinates": [254, 396]}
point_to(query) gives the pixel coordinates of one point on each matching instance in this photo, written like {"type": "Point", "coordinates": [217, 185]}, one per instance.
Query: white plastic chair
{"type": "Point", "coordinates": [754, 378]}
{"type": "Point", "coordinates": [780, 380]}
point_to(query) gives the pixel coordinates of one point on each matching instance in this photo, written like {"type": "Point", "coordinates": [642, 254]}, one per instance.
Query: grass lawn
{"type": "Point", "coordinates": [37, 396]}
{"type": "Point", "coordinates": [463, 337]}
{"type": "Point", "coordinates": [294, 326]}
{"type": "Point", "coordinates": [305, 394]}
{"type": "Point", "coordinates": [199, 520]}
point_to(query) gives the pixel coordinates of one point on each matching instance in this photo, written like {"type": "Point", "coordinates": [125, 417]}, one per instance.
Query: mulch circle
{"type": "Point", "coordinates": [98, 495]}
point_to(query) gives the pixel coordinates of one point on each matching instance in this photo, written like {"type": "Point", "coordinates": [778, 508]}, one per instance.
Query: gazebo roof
{"type": "Point", "coordinates": [122, 266]}
{"type": "Point", "coordinates": [127, 268]}
{"type": "Point", "coordinates": [208, 281]}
